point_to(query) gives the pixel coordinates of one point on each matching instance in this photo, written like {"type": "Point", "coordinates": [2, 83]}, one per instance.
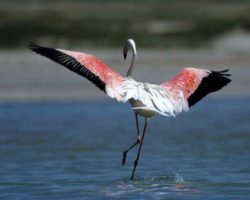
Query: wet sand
{"type": "Point", "coordinates": [26, 76]}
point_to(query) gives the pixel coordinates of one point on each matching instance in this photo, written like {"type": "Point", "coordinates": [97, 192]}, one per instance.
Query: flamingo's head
{"type": "Point", "coordinates": [130, 44]}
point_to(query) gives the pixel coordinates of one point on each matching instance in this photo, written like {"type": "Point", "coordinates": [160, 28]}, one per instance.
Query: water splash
{"type": "Point", "coordinates": [178, 178]}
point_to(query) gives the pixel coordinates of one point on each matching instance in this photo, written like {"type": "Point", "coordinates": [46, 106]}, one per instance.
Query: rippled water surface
{"type": "Point", "coordinates": [58, 150]}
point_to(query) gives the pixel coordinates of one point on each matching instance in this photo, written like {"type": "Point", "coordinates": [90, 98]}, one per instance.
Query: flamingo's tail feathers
{"type": "Point", "coordinates": [213, 82]}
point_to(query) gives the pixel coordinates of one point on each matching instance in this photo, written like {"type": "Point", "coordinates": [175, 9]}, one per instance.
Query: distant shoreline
{"type": "Point", "coordinates": [25, 76]}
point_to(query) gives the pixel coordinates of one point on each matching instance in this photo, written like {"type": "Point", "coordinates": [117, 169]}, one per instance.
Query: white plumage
{"type": "Point", "coordinates": [151, 97]}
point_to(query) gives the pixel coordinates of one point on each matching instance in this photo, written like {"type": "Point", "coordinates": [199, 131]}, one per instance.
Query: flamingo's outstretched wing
{"type": "Point", "coordinates": [196, 83]}
{"type": "Point", "coordinates": [85, 65]}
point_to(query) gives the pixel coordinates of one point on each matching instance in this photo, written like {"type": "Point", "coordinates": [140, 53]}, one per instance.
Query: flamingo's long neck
{"type": "Point", "coordinates": [132, 65]}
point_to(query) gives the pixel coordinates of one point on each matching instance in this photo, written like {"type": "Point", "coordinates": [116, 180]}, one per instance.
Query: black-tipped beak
{"type": "Point", "coordinates": [125, 51]}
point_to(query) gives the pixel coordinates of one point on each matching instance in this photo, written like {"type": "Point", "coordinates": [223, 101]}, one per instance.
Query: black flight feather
{"type": "Point", "coordinates": [68, 62]}
{"type": "Point", "coordinates": [213, 82]}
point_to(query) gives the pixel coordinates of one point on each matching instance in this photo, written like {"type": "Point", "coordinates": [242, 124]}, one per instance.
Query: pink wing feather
{"type": "Point", "coordinates": [196, 83]}
{"type": "Point", "coordinates": [186, 81]}
{"type": "Point", "coordinates": [85, 65]}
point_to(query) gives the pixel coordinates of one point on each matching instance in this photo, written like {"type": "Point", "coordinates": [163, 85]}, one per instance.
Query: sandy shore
{"type": "Point", "coordinates": [25, 76]}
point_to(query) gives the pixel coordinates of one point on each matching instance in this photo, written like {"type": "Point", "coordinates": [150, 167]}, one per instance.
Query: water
{"type": "Point", "coordinates": [73, 150]}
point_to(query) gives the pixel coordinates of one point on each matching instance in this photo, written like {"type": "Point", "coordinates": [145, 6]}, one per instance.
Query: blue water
{"type": "Point", "coordinates": [73, 150]}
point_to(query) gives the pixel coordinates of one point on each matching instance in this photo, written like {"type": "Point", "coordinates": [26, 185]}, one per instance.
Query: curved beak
{"type": "Point", "coordinates": [130, 44]}
{"type": "Point", "coordinates": [125, 51]}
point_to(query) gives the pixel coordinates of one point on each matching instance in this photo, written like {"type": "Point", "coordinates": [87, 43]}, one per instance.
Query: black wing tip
{"type": "Point", "coordinates": [44, 51]}
{"type": "Point", "coordinates": [222, 72]}
{"type": "Point", "coordinates": [32, 46]}
{"type": "Point", "coordinates": [35, 48]}
{"type": "Point", "coordinates": [223, 76]}
{"type": "Point", "coordinates": [220, 78]}
{"type": "Point", "coordinates": [215, 81]}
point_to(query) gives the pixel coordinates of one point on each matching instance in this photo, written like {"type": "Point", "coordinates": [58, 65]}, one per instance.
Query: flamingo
{"type": "Point", "coordinates": [169, 98]}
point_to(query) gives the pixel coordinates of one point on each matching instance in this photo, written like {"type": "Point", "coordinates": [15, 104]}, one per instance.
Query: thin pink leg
{"type": "Point", "coordinates": [139, 151]}
{"type": "Point", "coordinates": [133, 145]}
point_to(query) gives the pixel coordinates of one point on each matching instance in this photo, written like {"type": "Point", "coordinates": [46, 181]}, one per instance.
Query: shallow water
{"type": "Point", "coordinates": [73, 150]}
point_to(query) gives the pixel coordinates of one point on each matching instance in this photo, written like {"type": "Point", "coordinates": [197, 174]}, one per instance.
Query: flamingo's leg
{"type": "Point", "coordinates": [133, 145]}
{"type": "Point", "coordinates": [139, 151]}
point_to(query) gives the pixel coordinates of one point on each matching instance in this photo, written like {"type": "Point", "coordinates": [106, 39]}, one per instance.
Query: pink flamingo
{"type": "Point", "coordinates": [168, 99]}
